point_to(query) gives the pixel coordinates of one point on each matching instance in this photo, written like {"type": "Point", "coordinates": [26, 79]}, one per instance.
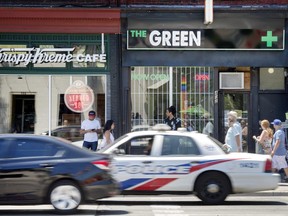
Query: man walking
{"type": "Point", "coordinates": [233, 136]}
{"type": "Point", "coordinates": [90, 128]}
{"type": "Point", "coordinates": [171, 119]}
{"type": "Point", "coordinates": [278, 153]}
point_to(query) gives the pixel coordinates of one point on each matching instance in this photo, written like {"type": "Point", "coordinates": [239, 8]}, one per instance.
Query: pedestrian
{"type": "Point", "coordinates": [279, 151]}
{"type": "Point", "coordinates": [147, 151]}
{"type": "Point", "coordinates": [233, 136]}
{"type": "Point", "coordinates": [244, 127]}
{"type": "Point", "coordinates": [189, 125]}
{"type": "Point", "coordinates": [208, 128]}
{"type": "Point", "coordinates": [90, 128]}
{"type": "Point", "coordinates": [108, 136]}
{"type": "Point", "coordinates": [265, 139]}
{"type": "Point", "coordinates": [171, 119]}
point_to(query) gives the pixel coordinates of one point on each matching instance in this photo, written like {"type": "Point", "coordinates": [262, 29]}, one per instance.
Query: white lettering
{"type": "Point", "coordinates": [175, 38]}
{"type": "Point", "coordinates": [46, 56]}
{"type": "Point", "coordinates": [155, 38]}
{"type": "Point", "coordinates": [169, 169]}
{"type": "Point", "coordinates": [195, 39]}
{"type": "Point", "coordinates": [184, 38]}
{"type": "Point", "coordinates": [166, 37]}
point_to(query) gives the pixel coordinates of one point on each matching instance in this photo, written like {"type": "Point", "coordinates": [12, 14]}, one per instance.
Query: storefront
{"type": "Point", "coordinates": [55, 66]}
{"type": "Point", "coordinates": [235, 63]}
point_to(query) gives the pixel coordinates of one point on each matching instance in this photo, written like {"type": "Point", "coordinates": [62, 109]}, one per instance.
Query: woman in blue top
{"type": "Point", "coordinates": [278, 153]}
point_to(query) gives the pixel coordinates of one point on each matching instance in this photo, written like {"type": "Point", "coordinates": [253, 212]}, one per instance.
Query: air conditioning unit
{"type": "Point", "coordinates": [231, 80]}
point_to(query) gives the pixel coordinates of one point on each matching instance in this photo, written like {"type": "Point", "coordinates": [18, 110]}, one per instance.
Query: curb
{"type": "Point", "coordinates": [282, 190]}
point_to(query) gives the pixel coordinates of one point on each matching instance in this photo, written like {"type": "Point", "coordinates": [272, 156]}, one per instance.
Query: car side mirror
{"type": "Point", "coordinates": [226, 148]}
{"type": "Point", "coordinates": [119, 151]}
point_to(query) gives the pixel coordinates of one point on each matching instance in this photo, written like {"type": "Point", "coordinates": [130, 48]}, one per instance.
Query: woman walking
{"type": "Point", "coordinates": [108, 136]}
{"type": "Point", "coordinates": [265, 138]}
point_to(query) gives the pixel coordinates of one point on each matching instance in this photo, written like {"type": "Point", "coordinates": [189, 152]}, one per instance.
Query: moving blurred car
{"type": "Point", "coordinates": [38, 169]}
{"type": "Point", "coordinates": [69, 132]}
{"type": "Point", "coordinates": [163, 161]}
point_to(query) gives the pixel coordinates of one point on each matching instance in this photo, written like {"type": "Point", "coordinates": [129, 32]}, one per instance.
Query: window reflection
{"type": "Point", "coordinates": [190, 88]}
{"type": "Point", "coordinates": [24, 102]}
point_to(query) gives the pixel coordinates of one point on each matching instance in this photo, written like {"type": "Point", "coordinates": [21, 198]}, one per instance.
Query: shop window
{"type": "Point", "coordinates": [189, 89]}
{"type": "Point", "coordinates": [26, 106]}
{"type": "Point", "coordinates": [272, 79]}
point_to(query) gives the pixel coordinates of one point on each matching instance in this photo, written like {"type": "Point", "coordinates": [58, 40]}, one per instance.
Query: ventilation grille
{"type": "Point", "coordinates": [231, 80]}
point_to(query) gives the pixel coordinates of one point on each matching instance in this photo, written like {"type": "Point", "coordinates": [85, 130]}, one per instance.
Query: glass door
{"type": "Point", "coordinates": [23, 113]}
{"type": "Point", "coordinates": [238, 102]}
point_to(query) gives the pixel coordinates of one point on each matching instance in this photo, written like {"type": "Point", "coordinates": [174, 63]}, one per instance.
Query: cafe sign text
{"type": "Point", "coordinates": [46, 55]}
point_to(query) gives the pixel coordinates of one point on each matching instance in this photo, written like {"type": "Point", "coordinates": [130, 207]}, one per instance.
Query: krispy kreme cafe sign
{"type": "Point", "coordinates": [79, 97]}
{"type": "Point", "coordinates": [46, 55]}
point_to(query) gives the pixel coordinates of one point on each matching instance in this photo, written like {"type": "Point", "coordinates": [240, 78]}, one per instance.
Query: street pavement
{"type": "Point", "coordinates": [264, 203]}
{"type": "Point", "coordinates": [282, 190]}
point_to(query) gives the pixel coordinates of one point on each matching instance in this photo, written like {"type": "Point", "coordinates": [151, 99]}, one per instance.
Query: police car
{"type": "Point", "coordinates": [162, 161]}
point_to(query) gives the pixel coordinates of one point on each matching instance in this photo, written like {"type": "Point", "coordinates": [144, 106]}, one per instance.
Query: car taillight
{"type": "Point", "coordinates": [268, 166]}
{"type": "Point", "coordinates": [102, 164]}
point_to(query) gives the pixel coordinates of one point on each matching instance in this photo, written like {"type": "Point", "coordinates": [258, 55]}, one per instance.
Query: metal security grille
{"type": "Point", "coordinates": [189, 89]}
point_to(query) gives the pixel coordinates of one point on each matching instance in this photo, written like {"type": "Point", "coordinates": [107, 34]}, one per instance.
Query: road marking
{"type": "Point", "coordinates": [168, 210]}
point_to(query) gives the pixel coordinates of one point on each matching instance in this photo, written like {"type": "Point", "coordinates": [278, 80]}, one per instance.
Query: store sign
{"type": "Point", "coordinates": [205, 39]}
{"type": "Point", "coordinates": [150, 76]}
{"type": "Point", "coordinates": [79, 97]}
{"type": "Point", "coordinates": [46, 55]}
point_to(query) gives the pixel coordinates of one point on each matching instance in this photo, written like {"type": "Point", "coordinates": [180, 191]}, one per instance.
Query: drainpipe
{"type": "Point", "coordinates": [208, 10]}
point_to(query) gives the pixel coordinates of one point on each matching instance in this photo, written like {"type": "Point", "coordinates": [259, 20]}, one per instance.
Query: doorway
{"type": "Point", "coordinates": [239, 102]}
{"type": "Point", "coordinates": [23, 113]}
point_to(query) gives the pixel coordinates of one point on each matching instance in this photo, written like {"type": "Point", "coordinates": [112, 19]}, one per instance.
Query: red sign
{"type": "Point", "coordinates": [79, 97]}
{"type": "Point", "coordinates": [202, 77]}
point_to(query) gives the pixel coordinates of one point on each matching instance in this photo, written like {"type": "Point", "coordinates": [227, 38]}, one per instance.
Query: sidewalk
{"type": "Point", "coordinates": [282, 190]}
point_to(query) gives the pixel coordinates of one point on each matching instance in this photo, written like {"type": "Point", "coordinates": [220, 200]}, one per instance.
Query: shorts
{"type": "Point", "coordinates": [279, 162]}
{"type": "Point", "coordinates": [90, 145]}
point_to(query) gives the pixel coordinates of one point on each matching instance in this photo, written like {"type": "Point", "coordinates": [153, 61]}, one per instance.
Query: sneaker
{"type": "Point", "coordinates": [285, 179]}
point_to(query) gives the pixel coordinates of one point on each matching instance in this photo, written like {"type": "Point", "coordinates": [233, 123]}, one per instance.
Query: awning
{"type": "Point", "coordinates": [59, 20]}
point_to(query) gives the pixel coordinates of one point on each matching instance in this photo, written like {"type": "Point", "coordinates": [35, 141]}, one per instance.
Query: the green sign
{"type": "Point", "coordinates": [205, 39]}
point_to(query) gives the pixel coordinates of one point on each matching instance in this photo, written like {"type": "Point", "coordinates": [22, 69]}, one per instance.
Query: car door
{"type": "Point", "coordinates": [131, 161]}
{"type": "Point", "coordinates": [173, 162]}
{"type": "Point", "coordinates": [25, 170]}
{"type": "Point", "coordinates": [4, 148]}
{"type": "Point", "coordinates": [163, 169]}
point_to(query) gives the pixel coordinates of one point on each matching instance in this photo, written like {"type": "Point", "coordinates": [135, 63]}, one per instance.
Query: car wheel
{"type": "Point", "coordinates": [65, 197]}
{"type": "Point", "coordinates": [212, 188]}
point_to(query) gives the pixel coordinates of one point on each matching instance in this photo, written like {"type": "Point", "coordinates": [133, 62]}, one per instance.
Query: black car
{"type": "Point", "coordinates": [40, 169]}
{"type": "Point", "coordinates": [69, 132]}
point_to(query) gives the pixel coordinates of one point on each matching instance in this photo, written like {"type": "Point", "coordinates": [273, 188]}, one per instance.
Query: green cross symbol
{"type": "Point", "coordinates": [269, 39]}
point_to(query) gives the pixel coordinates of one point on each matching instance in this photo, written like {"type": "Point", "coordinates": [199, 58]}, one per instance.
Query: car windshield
{"type": "Point", "coordinates": [218, 143]}
{"type": "Point", "coordinates": [111, 144]}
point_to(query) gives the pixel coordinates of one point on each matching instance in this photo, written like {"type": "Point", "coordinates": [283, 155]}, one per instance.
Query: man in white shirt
{"type": "Point", "coordinates": [90, 128]}
{"type": "Point", "coordinates": [234, 134]}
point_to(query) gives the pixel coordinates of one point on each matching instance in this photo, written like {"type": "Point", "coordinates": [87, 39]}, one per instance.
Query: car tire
{"type": "Point", "coordinates": [212, 188]}
{"type": "Point", "coordinates": [65, 197]}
